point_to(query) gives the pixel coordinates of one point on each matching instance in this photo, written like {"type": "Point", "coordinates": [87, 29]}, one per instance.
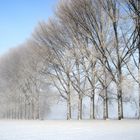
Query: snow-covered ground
{"type": "Point", "coordinates": [70, 130]}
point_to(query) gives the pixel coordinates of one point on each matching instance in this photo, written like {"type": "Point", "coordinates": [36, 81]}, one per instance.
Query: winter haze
{"type": "Point", "coordinates": [70, 69]}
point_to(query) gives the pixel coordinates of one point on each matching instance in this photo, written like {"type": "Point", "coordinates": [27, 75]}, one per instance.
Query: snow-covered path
{"type": "Point", "coordinates": [70, 130]}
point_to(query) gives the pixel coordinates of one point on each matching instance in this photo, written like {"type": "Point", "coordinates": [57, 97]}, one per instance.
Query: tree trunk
{"type": "Point", "coordinates": [119, 93]}
{"type": "Point", "coordinates": [119, 73]}
{"type": "Point", "coordinates": [21, 108]}
{"type": "Point", "coordinates": [68, 99]}
{"type": "Point", "coordinates": [25, 111]}
{"type": "Point", "coordinates": [139, 82]}
{"type": "Point", "coordinates": [92, 99]}
{"type": "Point", "coordinates": [68, 109]}
{"type": "Point", "coordinates": [105, 105]}
{"type": "Point", "coordinates": [138, 30]}
{"type": "Point", "coordinates": [38, 106]}
{"type": "Point", "coordinates": [32, 110]}
{"type": "Point", "coordinates": [80, 108]}
{"type": "Point", "coordinates": [105, 102]}
{"type": "Point", "coordinates": [92, 107]}
{"type": "Point", "coordinates": [105, 99]}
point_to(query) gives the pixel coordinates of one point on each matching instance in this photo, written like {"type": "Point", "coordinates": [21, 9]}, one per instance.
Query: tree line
{"type": "Point", "coordinates": [90, 48]}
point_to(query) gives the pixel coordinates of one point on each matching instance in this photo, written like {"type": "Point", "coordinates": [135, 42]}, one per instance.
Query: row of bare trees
{"type": "Point", "coordinates": [94, 45]}
{"type": "Point", "coordinates": [20, 83]}
{"type": "Point", "coordinates": [90, 49]}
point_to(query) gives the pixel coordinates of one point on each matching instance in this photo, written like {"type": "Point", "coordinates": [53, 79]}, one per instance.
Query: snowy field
{"type": "Point", "coordinates": [70, 130]}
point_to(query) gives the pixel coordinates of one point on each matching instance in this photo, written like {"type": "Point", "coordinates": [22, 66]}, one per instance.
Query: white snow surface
{"type": "Point", "coordinates": [70, 130]}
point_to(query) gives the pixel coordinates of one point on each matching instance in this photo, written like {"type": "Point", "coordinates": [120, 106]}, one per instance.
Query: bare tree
{"type": "Point", "coordinates": [52, 37]}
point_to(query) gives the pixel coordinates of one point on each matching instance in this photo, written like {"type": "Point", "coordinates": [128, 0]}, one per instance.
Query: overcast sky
{"type": "Point", "coordinates": [18, 18]}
